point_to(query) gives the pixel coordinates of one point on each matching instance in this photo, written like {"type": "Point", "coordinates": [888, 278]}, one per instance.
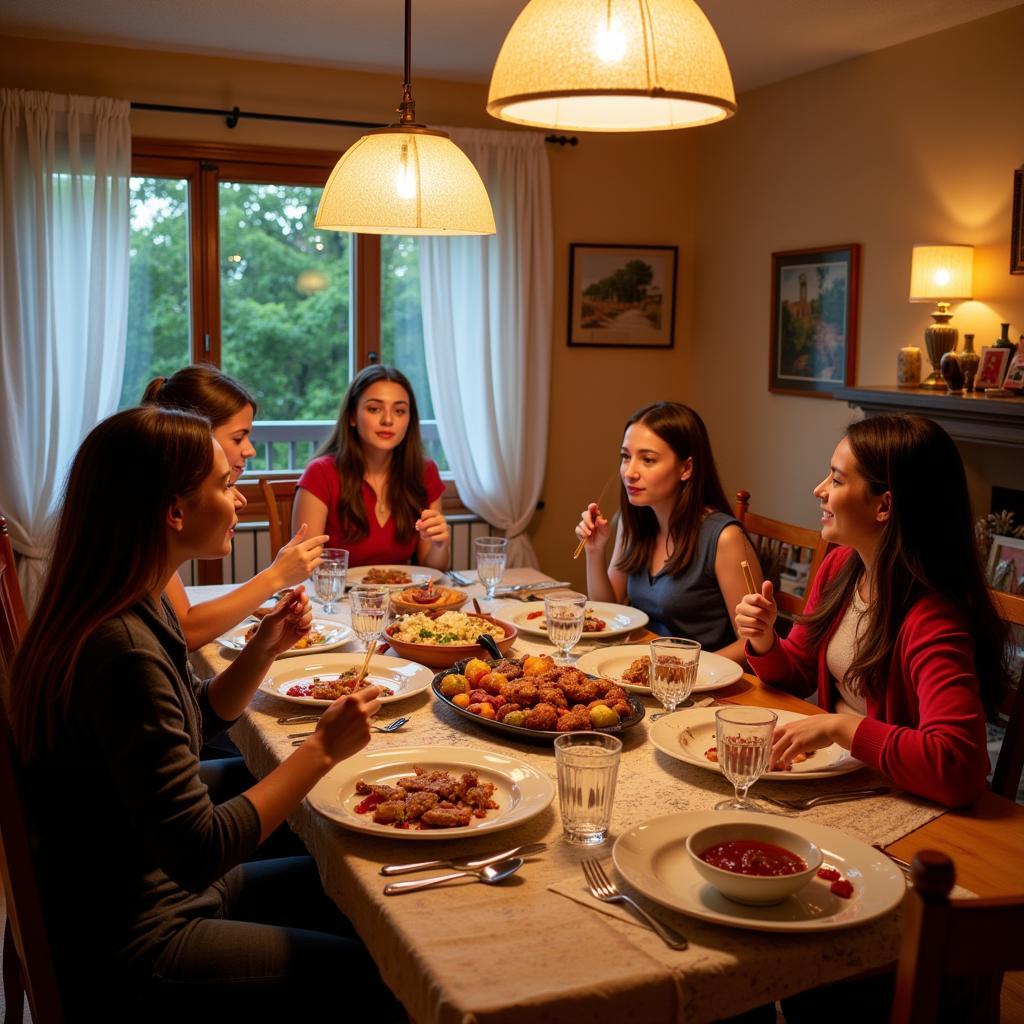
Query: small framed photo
{"type": "Point", "coordinates": [813, 348]}
{"type": "Point", "coordinates": [992, 367]}
{"type": "Point", "coordinates": [1014, 379]}
{"type": "Point", "coordinates": [1006, 564]}
{"type": "Point", "coordinates": [622, 296]}
{"type": "Point", "coordinates": [1017, 224]}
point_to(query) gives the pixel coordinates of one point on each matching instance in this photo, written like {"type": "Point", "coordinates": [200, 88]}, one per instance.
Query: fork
{"type": "Point", "coordinates": [828, 798]}
{"type": "Point", "coordinates": [601, 888]}
{"type": "Point", "coordinates": [392, 726]}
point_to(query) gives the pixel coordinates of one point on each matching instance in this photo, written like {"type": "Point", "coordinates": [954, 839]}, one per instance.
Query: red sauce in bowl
{"type": "Point", "coordinates": [751, 857]}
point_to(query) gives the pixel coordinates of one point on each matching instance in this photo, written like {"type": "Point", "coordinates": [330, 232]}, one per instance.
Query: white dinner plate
{"type": "Point", "coordinates": [521, 793]}
{"type": "Point", "coordinates": [406, 678]}
{"type": "Point", "coordinates": [713, 671]}
{"type": "Point", "coordinates": [335, 634]}
{"type": "Point", "coordinates": [419, 575]}
{"type": "Point", "coordinates": [687, 734]}
{"type": "Point", "coordinates": [652, 857]}
{"type": "Point", "coordinates": [620, 618]}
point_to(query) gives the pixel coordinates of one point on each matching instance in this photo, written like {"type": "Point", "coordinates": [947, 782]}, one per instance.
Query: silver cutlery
{"type": "Point", "coordinates": [828, 798]}
{"type": "Point", "coordinates": [603, 889]}
{"type": "Point", "coordinates": [516, 587]}
{"type": "Point", "coordinates": [490, 874]}
{"type": "Point", "coordinates": [392, 726]}
{"type": "Point", "coordinates": [465, 863]}
{"type": "Point", "coordinates": [458, 579]}
{"type": "Point", "coordinates": [299, 719]}
{"type": "Point", "coordinates": [903, 865]}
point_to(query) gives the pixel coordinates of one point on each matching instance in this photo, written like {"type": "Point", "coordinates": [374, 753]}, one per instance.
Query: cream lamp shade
{"type": "Point", "coordinates": [611, 66]}
{"type": "Point", "coordinates": [941, 273]}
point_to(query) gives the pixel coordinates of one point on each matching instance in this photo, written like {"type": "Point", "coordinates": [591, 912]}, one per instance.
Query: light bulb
{"type": "Point", "coordinates": [405, 181]}
{"type": "Point", "coordinates": [610, 44]}
{"type": "Point", "coordinates": [942, 276]}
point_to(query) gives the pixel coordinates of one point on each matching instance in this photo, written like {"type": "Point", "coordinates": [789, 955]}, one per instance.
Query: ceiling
{"type": "Point", "coordinates": [765, 40]}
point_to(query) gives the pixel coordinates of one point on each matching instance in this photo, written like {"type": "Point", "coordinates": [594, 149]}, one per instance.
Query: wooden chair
{"type": "Point", "coordinates": [1010, 763]}
{"type": "Point", "coordinates": [769, 536]}
{"type": "Point", "coordinates": [278, 498]}
{"type": "Point", "coordinates": [943, 937]}
{"type": "Point", "coordinates": [13, 619]}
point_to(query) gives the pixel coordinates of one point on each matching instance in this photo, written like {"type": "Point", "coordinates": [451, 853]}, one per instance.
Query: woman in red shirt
{"type": "Point", "coordinates": [369, 488]}
{"type": "Point", "coordinates": [900, 639]}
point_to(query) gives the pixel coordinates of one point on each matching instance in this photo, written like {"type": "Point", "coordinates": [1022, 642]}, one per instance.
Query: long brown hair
{"type": "Point", "coordinates": [927, 546]}
{"type": "Point", "coordinates": [110, 546]}
{"type": "Point", "coordinates": [684, 432]}
{"type": "Point", "coordinates": [406, 492]}
{"type": "Point", "coordinates": [203, 389]}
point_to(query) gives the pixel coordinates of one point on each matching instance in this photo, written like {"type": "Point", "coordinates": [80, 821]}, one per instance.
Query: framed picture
{"type": "Point", "coordinates": [992, 367]}
{"type": "Point", "coordinates": [1017, 226]}
{"type": "Point", "coordinates": [622, 296]}
{"type": "Point", "coordinates": [1014, 379]}
{"type": "Point", "coordinates": [814, 320]}
{"type": "Point", "coordinates": [1006, 564]}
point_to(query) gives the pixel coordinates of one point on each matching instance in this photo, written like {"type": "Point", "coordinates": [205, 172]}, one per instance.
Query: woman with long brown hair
{"type": "Point", "coordinates": [677, 548]}
{"type": "Point", "coordinates": [900, 639]}
{"type": "Point", "coordinates": [149, 906]}
{"type": "Point", "coordinates": [369, 488]}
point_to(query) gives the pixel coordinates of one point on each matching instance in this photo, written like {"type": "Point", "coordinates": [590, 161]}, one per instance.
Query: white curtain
{"type": "Point", "coordinates": [487, 333]}
{"type": "Point", "coordinates": [65, 162]}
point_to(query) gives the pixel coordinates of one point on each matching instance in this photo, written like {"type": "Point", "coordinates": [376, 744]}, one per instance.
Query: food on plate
{"type": "Point", "coordinates": [712, 754]}
{"type": "Point", "coordinates": [331, 689]}
{"type": "Point", "coordinates": [428, 799]}
{"type": "Point", "coordinates": [639, 672]}
{"type": "Point", "coordinates": [378, 575]}
{"type": "Point", "coordinates": [430, 596]}
{"type": "Point", "coordinates": [447, 629]}
{"type": "Point", "coordinates": [454, 683]}
{"type": "Point", "coordinates": [591, 623]}
{"type": "Point", "coordinates": [753, 857]}
{"type": "Point", "coordinates": [312, 639]}
{"type": "Point", "coordinates": [787, 766]}
{"type": "Point", "coordinates": [839, 886]}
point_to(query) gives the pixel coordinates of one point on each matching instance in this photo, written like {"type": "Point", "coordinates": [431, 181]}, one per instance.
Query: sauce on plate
{"type": "Point", "coordinates": [752, 857]}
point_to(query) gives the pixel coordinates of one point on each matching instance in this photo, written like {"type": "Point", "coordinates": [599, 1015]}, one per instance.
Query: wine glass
{"type": "Point", "coordinates": [564, 613]}
{"type": "Point", "coordinates": [744, 740]}
{"type": "Point", "coordinates": [329, 577]}
{"type": "Point", "coordinates": [674, 663]}
{"type": "Point", "coordinates": [370, 606]}
{"type": "Point", "coordinates": [491, 553]}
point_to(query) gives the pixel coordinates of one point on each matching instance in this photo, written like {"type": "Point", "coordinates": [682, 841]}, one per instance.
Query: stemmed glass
{"type": "Point", "coordinates": [564, 613]}
{"type": "Point", "coordinates": [744, 741]}
{"type": "Point", "coordinates": [674, 664]}
{"type": "Point", "coordinates": [491, 553]}
{"type": "Point", "coordinates": [370, 606]}
{"type": "Point", "coordinates": [329, 577]}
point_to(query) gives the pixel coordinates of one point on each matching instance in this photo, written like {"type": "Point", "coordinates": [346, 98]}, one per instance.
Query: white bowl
{"type": "Point", "coordinates": [753, 890]}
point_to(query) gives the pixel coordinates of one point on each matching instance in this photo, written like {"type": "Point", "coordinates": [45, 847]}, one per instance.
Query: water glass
{"type": "Point", "coordinates": [491, 554]}
{"type": "Point", "coordinates": [743, 737]}
{"type": "Point", "coordinates": [588, 765]}
{"type": "Point", "coordinates": [370, 606]}
{"type": "Point", "coordinates": [674, 664]}
{"type": "Point", "coordinates": [564, 613]}
{"type": "Point", "coordinates": [329, 577]}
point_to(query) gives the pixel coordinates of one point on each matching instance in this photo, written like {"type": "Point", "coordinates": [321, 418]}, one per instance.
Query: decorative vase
{"type": "Point", "coordinates": [908, 367]}
{"type": "Point", "coordinates": [952, 374]}
{"type": "Point", "coordinates": [969, 360]}
{"type": "Point", "coordinates": [1003, 341]}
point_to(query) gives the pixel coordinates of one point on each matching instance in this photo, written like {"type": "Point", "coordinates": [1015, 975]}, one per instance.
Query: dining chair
{"type": "Point", "coordinates": [944, 938]}
{"type": "Point", "coordinates": [1010, 762]}
{"type": "Point", "coordinates": [13, 619]}
{"type": "Point", "coordinates": [769, 537]}
{"type": "Point", "coordinates": [278, 497]}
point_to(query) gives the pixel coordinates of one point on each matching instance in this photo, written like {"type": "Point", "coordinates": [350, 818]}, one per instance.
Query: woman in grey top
{"type": "Point", "coordinates": [677, 548]}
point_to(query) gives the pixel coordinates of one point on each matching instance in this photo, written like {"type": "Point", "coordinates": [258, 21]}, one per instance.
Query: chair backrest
{"type": "Point", "coordinates": [13, 619]}
{"type": "Point", "coordinates": [943, 937]}
{"type": "Point", "coordinates": [1010, 763]}
{"type": "Point", "coordinates": [769, 537]}
{"type": "Point", "coordinates": [278, 497]}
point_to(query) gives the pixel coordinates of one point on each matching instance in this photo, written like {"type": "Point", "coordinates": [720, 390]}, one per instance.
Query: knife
{"type": "Point", "coordinates": [531, 586]}
{"type": "Point", "coordinates": [460, 863]}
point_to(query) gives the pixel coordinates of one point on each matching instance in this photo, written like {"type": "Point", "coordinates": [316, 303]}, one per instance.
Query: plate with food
{"type": "Point", "coordinates": [533, 699]}
{"type": "Point", "coordinates": [855, 883]}
{"type": "Point", "coordinates": [323, 635]}
{"type": "Point", "coordinates": [398, 577]}
{"type": "Point", "coordinates": [689, 735]}
{"type": "Point", "coordinates": [320, 679]}
{"type": "Point", "coordinates": [431, 792]}
{"type": "Point", "coordinates": [629, 665]}
{"type": "Point", "coordinates": [439, 639]}
{"type": "Point", "coordinates": [429, 597]}
{"type": "Point", "coordinates": [602, 620]}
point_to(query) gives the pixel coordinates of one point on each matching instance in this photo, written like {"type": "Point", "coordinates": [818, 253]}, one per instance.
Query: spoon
{"type": "Point", "coordinates": [491, 874]}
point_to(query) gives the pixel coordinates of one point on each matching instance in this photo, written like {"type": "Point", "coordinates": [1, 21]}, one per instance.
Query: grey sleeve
{"type": "Point", "coordinates": [213, 724]}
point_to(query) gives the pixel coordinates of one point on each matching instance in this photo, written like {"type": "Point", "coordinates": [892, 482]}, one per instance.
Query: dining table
{"type": "Point", "coordinates": [538, 947]}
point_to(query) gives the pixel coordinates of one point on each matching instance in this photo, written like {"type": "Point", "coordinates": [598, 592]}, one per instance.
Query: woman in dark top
{"type": "Point", "coordinates": [677, 548]}
{"type": "Point", "coordinates": [149, 905]}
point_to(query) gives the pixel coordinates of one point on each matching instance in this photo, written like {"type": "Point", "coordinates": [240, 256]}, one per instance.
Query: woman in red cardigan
{"type": "Point", "coordinates": [900, 639]}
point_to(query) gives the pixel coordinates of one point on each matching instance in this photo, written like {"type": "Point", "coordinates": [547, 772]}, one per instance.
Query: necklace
{"type": "Point", "coordinates": [379, 489]}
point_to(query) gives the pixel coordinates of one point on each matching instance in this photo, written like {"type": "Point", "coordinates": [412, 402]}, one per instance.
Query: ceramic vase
{"type": "Point", "coordinates": [969, 360]}
{"type": "Point", "coordinates": [952, 374]}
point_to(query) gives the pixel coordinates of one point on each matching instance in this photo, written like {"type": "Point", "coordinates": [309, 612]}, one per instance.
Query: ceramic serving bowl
{"type": "Point", "coordinates": [437, 656]}
{"type": "Point", "coordinates": [753, 890]}
{"type": "Point", "coordinates": [448, 600]}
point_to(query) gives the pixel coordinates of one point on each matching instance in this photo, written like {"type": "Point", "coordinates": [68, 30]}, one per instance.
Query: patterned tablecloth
{"type": "Point", "coordinates": [532, 950]}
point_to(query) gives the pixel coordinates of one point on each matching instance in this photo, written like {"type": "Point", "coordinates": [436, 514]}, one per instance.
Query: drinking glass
{"type": "Point", "coordinates": [674, 663]}
{"type": "Point", "coordinates": [329, 577]}
{"type": "Point", "coordinates": [743, 737]}
{"type": "Point", "coordinates": [491, 553]}
{"type": "Point", "coordinates": [564, 613]}
{"type": "Point", "coordinates": [370, 607]}
{"type": "Point", "coordinates": [588, 765]}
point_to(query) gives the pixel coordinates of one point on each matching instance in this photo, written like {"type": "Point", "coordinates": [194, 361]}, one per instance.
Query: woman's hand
{"type": "Point", "coordinates": [286, 624]}
{"type": "Point", "coordinates": [593, 528]}
{"type": "Point", "coordinates": [297, 559]}
{"type": "Point", "coordinates": [812, 733]}
{"type": "Point", "coordinates": [433, 526]}
{"type": "Point", "coordinates": [755, 619]}
{"type": "Point", "coordinates": [344, 728]}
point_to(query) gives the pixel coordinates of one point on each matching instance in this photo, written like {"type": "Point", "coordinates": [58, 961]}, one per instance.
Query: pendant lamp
{"type": "Point", "coordinates": [405, 179]}
{"type": "Point", "coordinates": [611, 66]}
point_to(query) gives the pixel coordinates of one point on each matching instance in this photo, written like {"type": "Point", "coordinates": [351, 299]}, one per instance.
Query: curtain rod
{"type": "Point", "coordinates": [234, 115]}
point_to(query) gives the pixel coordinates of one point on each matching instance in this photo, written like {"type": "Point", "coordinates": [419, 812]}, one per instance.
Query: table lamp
{"type": "Point", "coordinates": [943, 274]}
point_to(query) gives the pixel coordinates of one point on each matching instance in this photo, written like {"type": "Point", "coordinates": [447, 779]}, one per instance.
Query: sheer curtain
{"type": "Point", "coordinates": [487, 333]}
{"type": "Point", "coordinates": [64, 236]}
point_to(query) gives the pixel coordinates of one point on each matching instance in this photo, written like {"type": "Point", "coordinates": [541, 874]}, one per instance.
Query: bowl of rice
{"type": "Point", "coordinates": [439, 639]}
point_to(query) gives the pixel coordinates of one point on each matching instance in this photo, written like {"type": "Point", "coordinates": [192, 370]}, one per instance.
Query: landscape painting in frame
{"type": "Point", "coordinates": [814, 320]}
{"type": "Point", "coordinates": [622, 296]}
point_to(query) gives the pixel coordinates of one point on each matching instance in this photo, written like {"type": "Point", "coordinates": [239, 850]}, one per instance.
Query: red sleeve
{"type": "Point", "coordinates": [320, 478]}
{"type": "Point", "coordinates": [432, 481]}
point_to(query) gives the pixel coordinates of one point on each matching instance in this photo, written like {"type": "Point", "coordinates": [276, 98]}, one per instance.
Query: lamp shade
{"type": "Point", "coordinates": [611, 66]}
{"type": "Point", "coordinates": [405, 180]}
{"type": "Point", "coordinates": [941, 272]}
